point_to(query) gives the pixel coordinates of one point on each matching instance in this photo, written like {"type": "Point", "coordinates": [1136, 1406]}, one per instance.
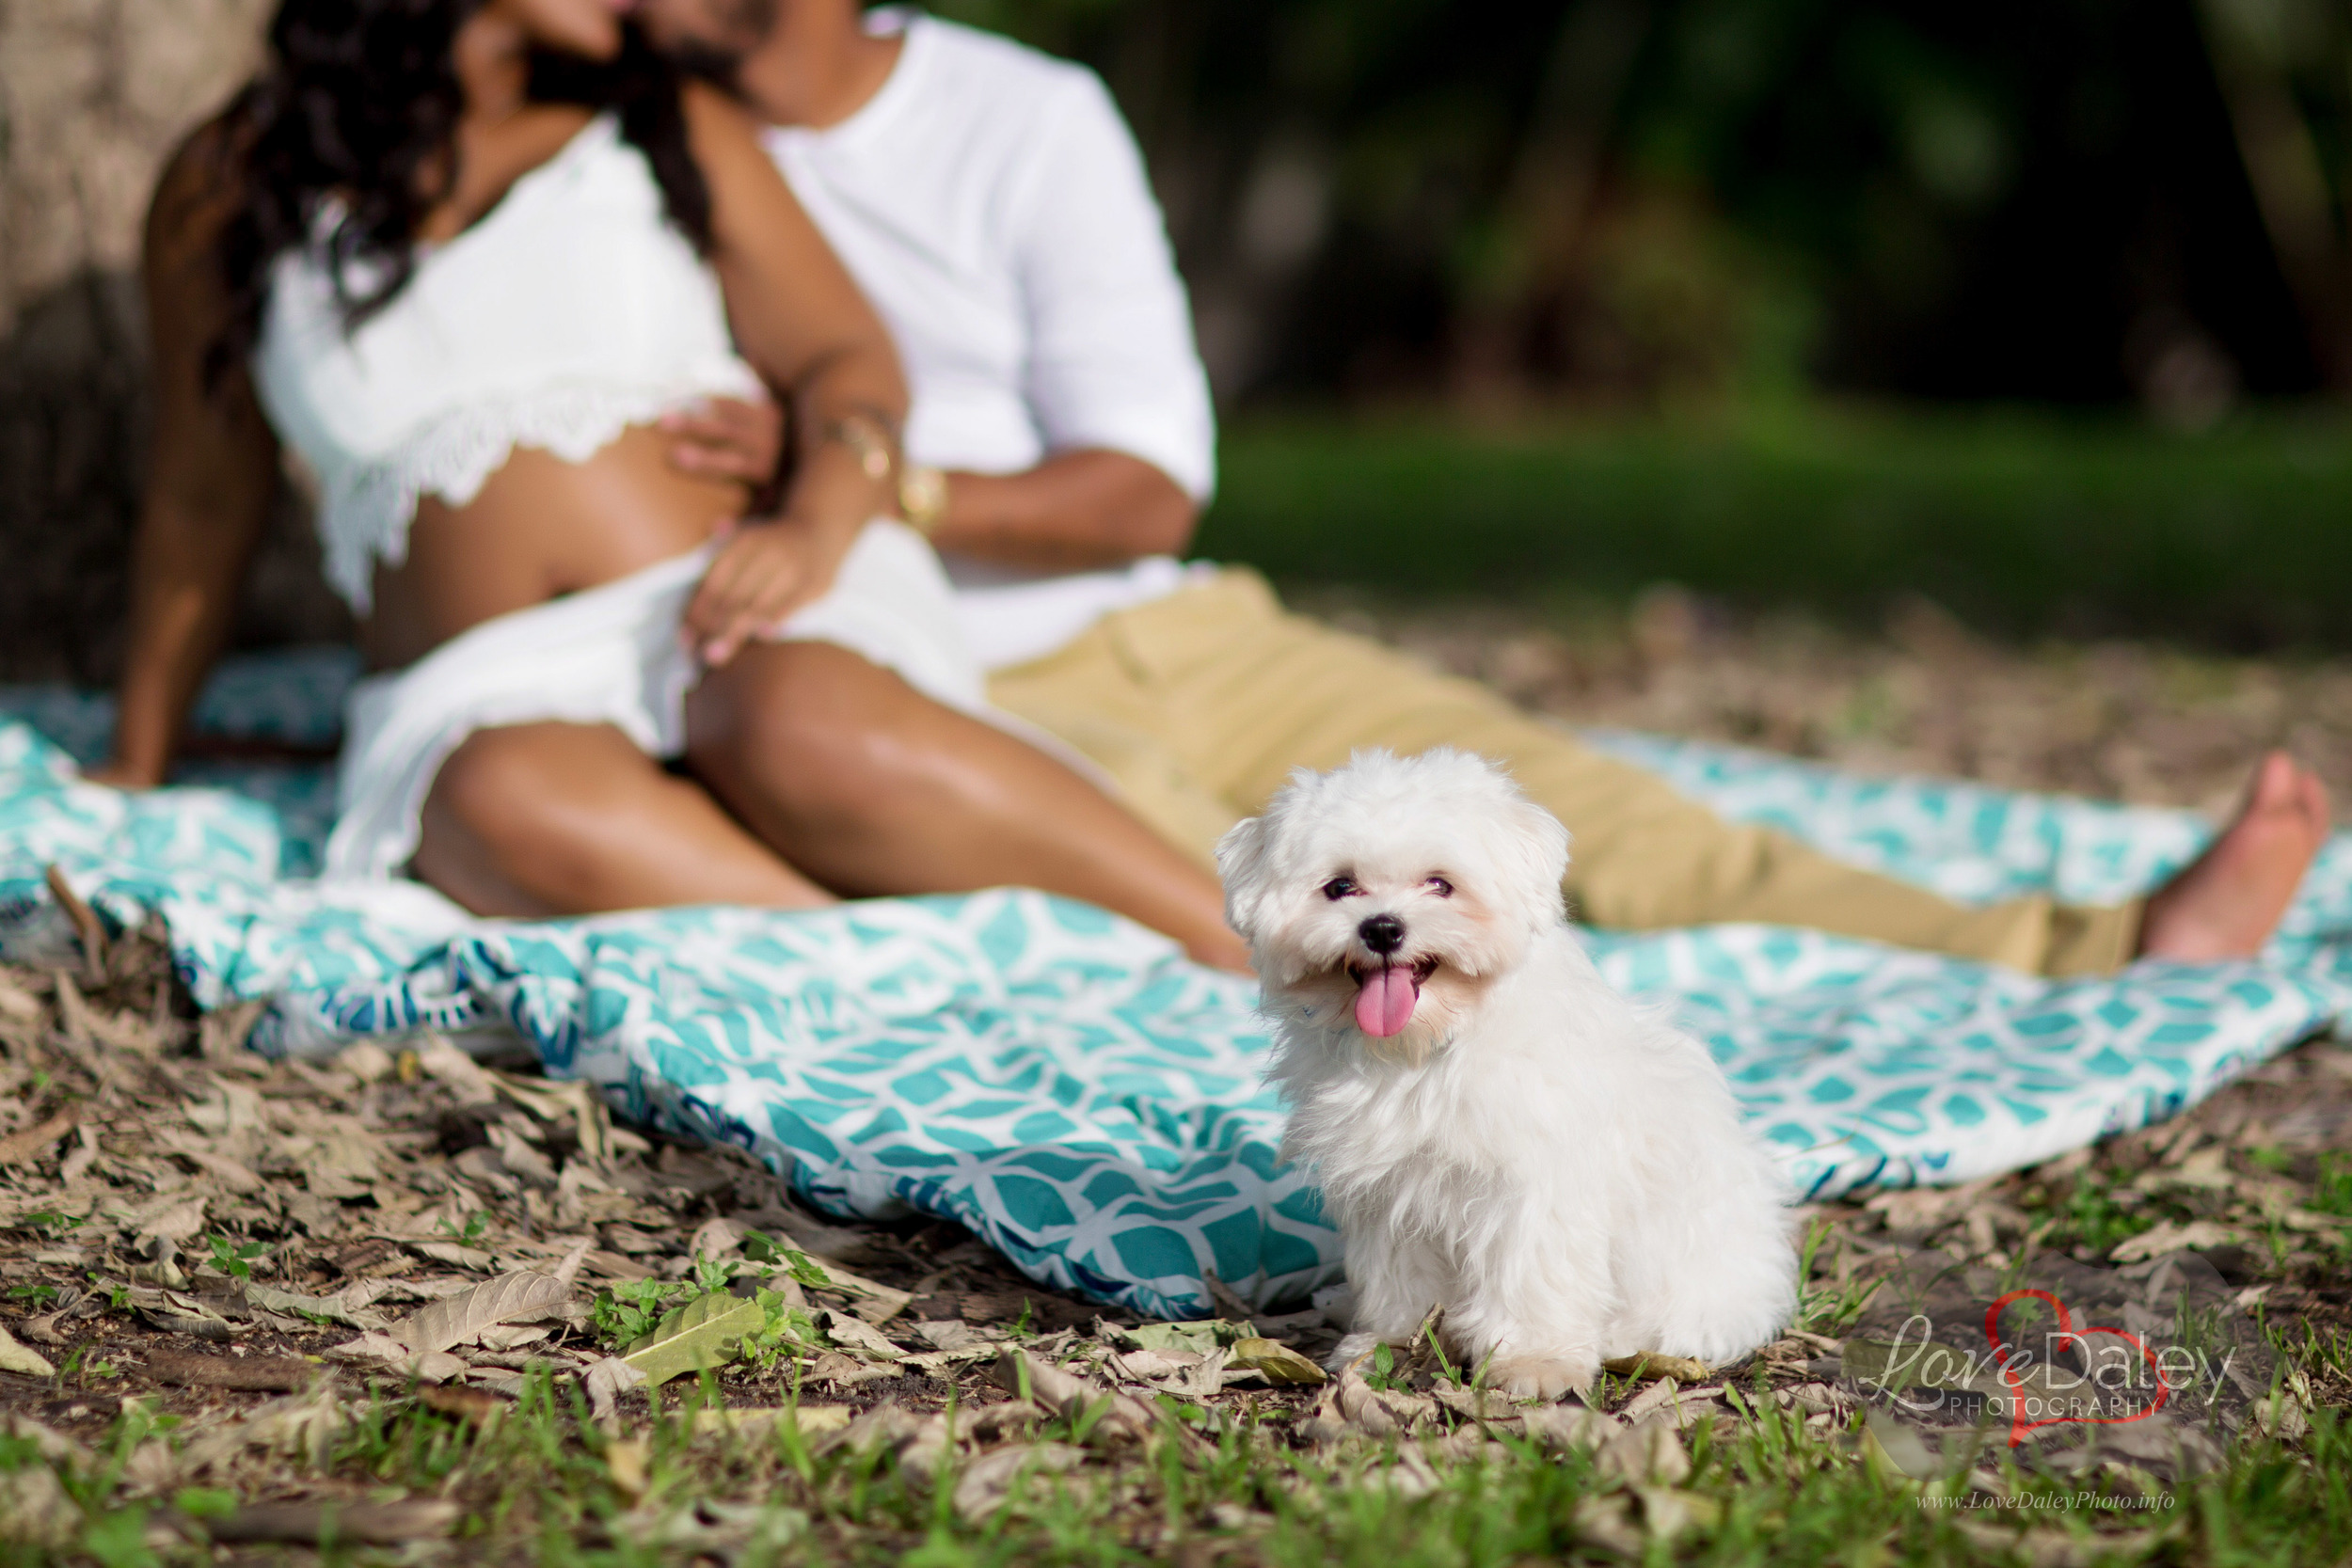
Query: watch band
{"type": "Point", "coordinates": [922, 497]}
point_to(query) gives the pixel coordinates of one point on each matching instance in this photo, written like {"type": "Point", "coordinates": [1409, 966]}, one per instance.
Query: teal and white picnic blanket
{"type": "Point", "coordinates": [1066, 1083]}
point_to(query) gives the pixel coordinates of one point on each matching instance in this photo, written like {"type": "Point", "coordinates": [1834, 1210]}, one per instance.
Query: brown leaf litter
{"type": "Point", "coordinates": [199, 1241]}
{"type": "Point", "coordinates": [261, 1247]}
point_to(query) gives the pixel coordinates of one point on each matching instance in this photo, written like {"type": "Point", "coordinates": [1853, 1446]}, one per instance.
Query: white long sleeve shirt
{"type": "Point", "coordinates": [992, 205]}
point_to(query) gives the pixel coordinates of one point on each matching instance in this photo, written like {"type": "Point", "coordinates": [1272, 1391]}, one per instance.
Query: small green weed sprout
{"type": "Point", "coordinates": [234, 1259]}
{"type": "Point", "coordinates": [627, 1311]}
{"type": "Point", "coordinates": [471, 1232]}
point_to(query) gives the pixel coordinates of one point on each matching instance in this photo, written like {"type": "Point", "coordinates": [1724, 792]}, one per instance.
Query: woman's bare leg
{"type": "Point", "coordinates": [872, 788]}
{"type": "Point", "coordinates": [535, 820]}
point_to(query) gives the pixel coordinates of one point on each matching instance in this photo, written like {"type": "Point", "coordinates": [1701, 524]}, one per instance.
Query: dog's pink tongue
{"type": "Point", "coordinates": [1385, 1005]}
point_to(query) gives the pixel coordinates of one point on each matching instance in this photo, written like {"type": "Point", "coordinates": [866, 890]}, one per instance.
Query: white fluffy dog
{"type": "Point", "coordinates": [1497, 1131]}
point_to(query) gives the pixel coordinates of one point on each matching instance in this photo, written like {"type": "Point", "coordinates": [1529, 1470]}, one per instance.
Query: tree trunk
{"type": "Point", "coordinates": [93, 96]}
{"type": "Point", "coordinates": [2262, 60]}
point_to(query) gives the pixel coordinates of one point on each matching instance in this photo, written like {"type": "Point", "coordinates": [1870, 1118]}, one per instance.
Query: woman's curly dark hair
{"type": "Point", "coordinates": [359, 103]}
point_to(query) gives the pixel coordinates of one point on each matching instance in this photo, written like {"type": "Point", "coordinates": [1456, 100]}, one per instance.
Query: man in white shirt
{"type": "Point", "coordinates": [994, 206]}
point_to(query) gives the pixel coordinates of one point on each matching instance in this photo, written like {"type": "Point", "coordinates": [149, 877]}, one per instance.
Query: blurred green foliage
{"type": "Point", "coordinates": [2024, 524]}
{"type": "Point", "coordinates": [1658, 200]}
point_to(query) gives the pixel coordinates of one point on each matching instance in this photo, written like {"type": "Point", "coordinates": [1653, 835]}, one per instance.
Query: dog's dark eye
{"type": "Point", "coordinates": [1339, 888]}
{"type": "Point", "coordinates": [1440, 886]}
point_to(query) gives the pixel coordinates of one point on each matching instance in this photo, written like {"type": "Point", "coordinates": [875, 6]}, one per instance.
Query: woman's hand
{"type": "Point", "coordinates": [766, 570]}
{"type": "Point", "coordinates": [727, 439]}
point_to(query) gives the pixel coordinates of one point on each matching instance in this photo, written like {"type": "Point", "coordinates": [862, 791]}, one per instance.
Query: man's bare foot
{"type": "Point", "coordinates": [2227, 901]}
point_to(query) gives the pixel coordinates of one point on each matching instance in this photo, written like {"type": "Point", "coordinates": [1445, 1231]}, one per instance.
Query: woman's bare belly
{"type": "Point", "coordinates": [540, 528]}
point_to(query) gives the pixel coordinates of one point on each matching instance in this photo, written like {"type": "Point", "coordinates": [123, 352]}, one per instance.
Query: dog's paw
{"type": "Point", "coordinates": [1542, 1377]}
{"type": "Point", "coordinates": [1351, 1348]}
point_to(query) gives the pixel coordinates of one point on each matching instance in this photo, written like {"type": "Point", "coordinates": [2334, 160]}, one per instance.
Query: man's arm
{"type": "Point", "coordinates": [1114, 380]}
{"type": "Point", "coordinates": [1115, 385]}
{"type": "Point", "coordinates": [1076, 510]}
{"type": "Point", "coordinates": [1073, 511]}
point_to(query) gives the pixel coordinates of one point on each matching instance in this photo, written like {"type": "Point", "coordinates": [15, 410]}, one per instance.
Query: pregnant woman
{"type": "Point", "coordinates": [459, 255]}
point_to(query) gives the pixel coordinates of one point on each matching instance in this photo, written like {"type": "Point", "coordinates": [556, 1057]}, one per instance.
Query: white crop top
{"type": "Point", "coordinates": [568, 312]}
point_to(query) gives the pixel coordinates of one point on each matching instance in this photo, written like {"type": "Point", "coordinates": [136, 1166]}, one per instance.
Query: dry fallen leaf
{"type": "Point", "coordinates": [44, 1329]}
{"type": "Point", "coordinates": [855, 1334]}
{"type": "Point", "coordinates": [716, 1237]}
{"type": "Point", "coordinates": [952, 1333]}
{"type": "Point", "coordinates": [173, 1217]}
{"type": "Point", "coordinates": [987, 1483]}
{"type": "Point", "coordinates": [333, 1308]}
{"type": "Point", "coordinates": [433, 1366]}
{"type": "Point", "coordinates": [873, 1303]}
{"type": "Point", "coordinates": [16, 1001]}
{"type": "Point", "coordinates": [1276, 1363]}
{"type": "Point", "coordinates": [436, 1058]}
{"type": "Point", "coordinates": [1150, 1366]}
{"type": "Point", "coordinates": [1376, 1411]}
{"type": "Point", "coordinates": [1571, 1426]}
{"type": "Point", "coordinates": [2168, 1237]}
{"type": "Point", "coordinates": [1650, 1364]}
{"type": "Point", "coordinates": [38, 1511]}
{"type": "Point", "coordinates": [1197, 1339]}
{"type": "Point", "coordinates": [518, 1297]}
{"type": "Point", "coordinates": [176, 1313]}
{"type": "Point", "coordinates": [1066, 1395]}
{"type": "Point", "coordinates": [23, 1359]}
{"type": "Point", "coordinates": [626, 1461]}
{"type": "Point", "coordinates": [390, 1524]}
{"type": "Point", "coordinates": [604, 1382]}
{"type": "Point", "coordinates": [454, 1253]}
{"type": "Point", "coordinates": [847, 1371]}
{"type": "Point", "coordinates": [469, 1404]}
{"type": "Point", "coordinates": [18, 1147]}
{"type": "Point", "coordinates": [1202, 1380]}
{"type": "Point", "coordinates": [273, 1373]}
{"type": "Point", "coordinates": [1651, 1452]}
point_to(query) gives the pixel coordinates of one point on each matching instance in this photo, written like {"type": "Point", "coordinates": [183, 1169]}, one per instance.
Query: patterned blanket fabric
{"type": "Point", "coordinates": [1070, 1088]}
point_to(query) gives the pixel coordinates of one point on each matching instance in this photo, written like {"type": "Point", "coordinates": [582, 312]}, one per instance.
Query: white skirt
{"type": "Point", "coordinates": [612, 655]}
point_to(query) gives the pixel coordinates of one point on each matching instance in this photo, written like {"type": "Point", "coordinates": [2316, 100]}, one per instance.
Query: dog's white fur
{"type": "Point", "coordinates": [1564, 1172]}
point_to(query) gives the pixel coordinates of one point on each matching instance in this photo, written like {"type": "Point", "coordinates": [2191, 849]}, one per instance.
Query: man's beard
{"type": "Point", "coordinates": [744, 26]}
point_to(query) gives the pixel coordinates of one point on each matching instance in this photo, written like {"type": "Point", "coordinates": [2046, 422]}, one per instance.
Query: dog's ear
{"type": "Point", "coordinates": [1241, 863]}
{"type": "Point", "coordinates": [1541, 855]}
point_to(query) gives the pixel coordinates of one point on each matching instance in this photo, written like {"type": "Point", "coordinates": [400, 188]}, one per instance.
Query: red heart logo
{"type": "Point", "coordinates": [2067, 1333]}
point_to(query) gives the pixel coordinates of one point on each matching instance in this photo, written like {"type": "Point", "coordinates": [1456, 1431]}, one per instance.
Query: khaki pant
{"type": "Point", "coordinates": [1201, 703]}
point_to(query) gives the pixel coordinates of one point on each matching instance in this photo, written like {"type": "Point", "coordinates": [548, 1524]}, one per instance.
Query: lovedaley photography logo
{"type": "Point", "coordinates": [2065, 1365]}
{"type": "Point", "coordinates": [2035, 1369]}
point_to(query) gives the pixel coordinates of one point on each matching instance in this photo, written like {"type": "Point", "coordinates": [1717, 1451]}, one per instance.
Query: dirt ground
{"type": "Point", "coordinates": [2134, 721]}
{"type": "Point", "coordinates": [251, 1246]}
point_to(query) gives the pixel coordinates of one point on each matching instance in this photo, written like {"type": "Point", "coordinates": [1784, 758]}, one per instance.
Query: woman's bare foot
{"type": "Point", "coordinates": [2227, 901]}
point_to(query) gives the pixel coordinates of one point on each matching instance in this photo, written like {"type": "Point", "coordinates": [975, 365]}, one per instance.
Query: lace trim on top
{"type": "Point", "coordinates": [365, 516]}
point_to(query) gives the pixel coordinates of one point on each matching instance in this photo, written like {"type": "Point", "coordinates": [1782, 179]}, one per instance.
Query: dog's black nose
{"type": "Point", "coordinates": [1382, 933]}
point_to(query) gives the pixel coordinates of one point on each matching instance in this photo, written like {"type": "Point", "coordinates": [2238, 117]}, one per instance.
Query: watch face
{"type": "Point", "coordinates": [923, 496]}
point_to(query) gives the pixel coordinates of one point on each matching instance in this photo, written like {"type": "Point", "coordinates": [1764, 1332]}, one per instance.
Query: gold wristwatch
{"type": "Point", "coordinates": [922, 497]}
